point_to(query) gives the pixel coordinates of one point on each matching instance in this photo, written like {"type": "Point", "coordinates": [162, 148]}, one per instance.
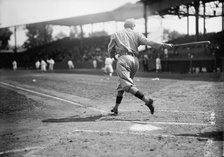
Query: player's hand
{"type": "Point", "coordinates": [165, 45]}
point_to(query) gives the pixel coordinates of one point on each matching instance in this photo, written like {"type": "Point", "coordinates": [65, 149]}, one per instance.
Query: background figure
{"type": "Point", "coordinates": [14, 65]}
{"type": "Point", "coordinates": [51, 64]}
{"type": "Point", "coordinates": [70, 64]}
{"type": "Point", "coordinates": [158, 64]}
{"type": "Point", "coordinates": [145, 62]}
{"type": "Point", "coordinates": [94, 63]}
{"type": "Point", "coordinates": [108, 69]}
{"type": "Point", "coordinates": [43, 65]}
{"type": "Point", "coordinates": [37, 64]}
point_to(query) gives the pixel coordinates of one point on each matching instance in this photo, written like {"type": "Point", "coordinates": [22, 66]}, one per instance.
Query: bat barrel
{"type": "Point", "coordinates": [192, 43]}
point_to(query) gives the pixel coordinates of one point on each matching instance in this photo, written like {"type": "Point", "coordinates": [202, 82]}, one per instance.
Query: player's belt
{"type": "Point", "coordinates": [127, 53]}
{"type": "Point", "coordinates": [131, 54]}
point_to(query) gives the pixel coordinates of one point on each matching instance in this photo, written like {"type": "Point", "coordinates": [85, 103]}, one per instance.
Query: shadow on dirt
{"type": "Point", "coordinates": [215, 135]}
{"type": "Point", "coordinates": [76, 119]}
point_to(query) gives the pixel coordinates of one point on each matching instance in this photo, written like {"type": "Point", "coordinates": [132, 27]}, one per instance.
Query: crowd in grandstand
{"type": "Point", "coordinates": [91, 52]}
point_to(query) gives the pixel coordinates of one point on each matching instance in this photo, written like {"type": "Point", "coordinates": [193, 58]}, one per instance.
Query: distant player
{"type": "Point", "coordinates": [14, 65]}
{"type": "Point", "coordinates": [158, 64]}
{"type": "Point", "coordinates": [70, 64]}
{"type": "Point", "coordinates": [43, 65]}
{"type": "Point", "coordinates": [126, 43]}
{"type": "Point", "coordinates": [37, 64]}
{"type": "Point", "coordinates": [51, 63]}
{"type": "Point", "coordinates": [108, 69]}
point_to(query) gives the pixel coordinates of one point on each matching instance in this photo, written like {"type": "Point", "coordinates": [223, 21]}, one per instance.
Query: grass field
{"type": "Point", "coordinates": [67, 113]}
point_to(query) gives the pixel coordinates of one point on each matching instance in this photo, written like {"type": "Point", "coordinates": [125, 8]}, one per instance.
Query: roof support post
{"type": "Point", "coordinates": [204, 10]}
{"type": "Point", "coordinates": [81, 43]}
{"type": "Point", "coordinates": [187, 19]}
{"type": "Point", "coordinates": [222, 16]}
{"type": "Point", "coordinates": [196, 6]}
{"type": "Point", "coordinates": [146, 21]}
{"type": "Point", "coordinates": [15, 51]}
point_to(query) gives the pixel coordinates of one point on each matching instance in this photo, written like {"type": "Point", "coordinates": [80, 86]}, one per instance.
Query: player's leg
{"type": "Point", "coordinates": [134, 90]}
{"type": "Point", "coordinates": [148, 101]}
{"type": "Point", "coordinates": [119, 98]}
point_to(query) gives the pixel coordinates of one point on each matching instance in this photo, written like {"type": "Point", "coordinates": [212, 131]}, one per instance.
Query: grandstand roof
{"type": "Point", "coordinates": [158, 5]}
{"type": "Point", "coordinates": [128, 10]}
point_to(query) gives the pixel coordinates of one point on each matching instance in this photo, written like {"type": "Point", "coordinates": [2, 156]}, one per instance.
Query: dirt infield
{"type": "Point", "coordinates": [67, 114]}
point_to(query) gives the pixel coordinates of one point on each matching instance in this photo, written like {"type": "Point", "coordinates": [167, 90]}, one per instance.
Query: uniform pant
{"type": "Point", "coordinates": [127, 66]}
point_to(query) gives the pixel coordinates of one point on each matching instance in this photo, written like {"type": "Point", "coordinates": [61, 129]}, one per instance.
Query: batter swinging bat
{"type": "Point", "coordinates": [192, 43]}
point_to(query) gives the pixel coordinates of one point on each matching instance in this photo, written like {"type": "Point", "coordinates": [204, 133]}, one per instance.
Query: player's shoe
{"type": "Point", "coordinates": [150, 106]}
{"type": "Point", "coordinates": [114, 110]}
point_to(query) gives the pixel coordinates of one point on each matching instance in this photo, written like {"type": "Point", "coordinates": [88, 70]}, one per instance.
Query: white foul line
{"type": "Point", "coordinates": [137, 133]}
{"type": "Point", "coordinates": [162, 123]}
{"type": "Point", "coordinates": [50, 96]}
{"type": "Point", "coordinates": [19, 150]}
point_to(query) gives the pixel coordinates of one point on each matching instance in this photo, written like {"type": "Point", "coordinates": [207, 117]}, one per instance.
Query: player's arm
{"type": "Point", "coordinates": [146, 41]}
{"type": "Point", "coordinates": [111, 47]}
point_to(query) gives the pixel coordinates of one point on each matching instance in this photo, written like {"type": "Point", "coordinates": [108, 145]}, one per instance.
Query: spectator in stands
{"type": "Point", "coordinates": [158, 64]}
{"type": "Point", "coordinates": [70, 64]}
{"type": "Point", "coordinates": [14, 65]}
{"type": "Point", "coordinates": [166, 52]}
{"type": "Point", "coordinates": [37, 64]}
{"type": "Point", "coordinates": [100, 61]}
{"type": "Point", "coordinates": [43, 65]}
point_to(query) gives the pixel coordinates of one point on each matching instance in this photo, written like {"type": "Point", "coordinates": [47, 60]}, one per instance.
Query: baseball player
{"type": "Point", "coordinates": [158, 64]}
{"type": "Point", "coordinates": [37, 64]}
{"type": "Point", "coordinates": [108, 69]}
{"type": "Point", "coordinates": [14, 65]}
{"type": "Point", "coordinates": [125, 43]}
{"type": "Point", "coordinates": [70, 64]}
{"type": "Point", "coordinates": [43, 65]}
{"type": "Point", "coordinates": [51, 63]}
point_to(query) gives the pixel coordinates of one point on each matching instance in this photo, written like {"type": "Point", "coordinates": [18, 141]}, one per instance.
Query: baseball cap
{"type": "Point", "coordinates": [129, 23]}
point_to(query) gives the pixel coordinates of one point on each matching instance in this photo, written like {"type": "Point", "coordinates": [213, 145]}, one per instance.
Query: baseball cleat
{"type": "Point", "coordinates": [114, 110]}
{"type": "Point", "coordinates": [150, 106]}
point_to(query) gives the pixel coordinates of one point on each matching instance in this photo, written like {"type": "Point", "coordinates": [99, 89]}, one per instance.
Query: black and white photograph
{"type": "Point", "coordinates": [111, 78]}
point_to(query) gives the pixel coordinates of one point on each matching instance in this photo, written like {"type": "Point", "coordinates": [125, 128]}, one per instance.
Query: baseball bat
{"type": "Point", "coordinates": [192, 43]}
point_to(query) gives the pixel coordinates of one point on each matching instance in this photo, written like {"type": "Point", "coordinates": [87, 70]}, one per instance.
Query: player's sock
{"type": "Point", "coordinates": [139, 95]}
{"type": "Point", "coordinates": [118, 99]}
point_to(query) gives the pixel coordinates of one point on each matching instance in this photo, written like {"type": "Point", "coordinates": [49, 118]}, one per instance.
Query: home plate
{"type": "Point", "coordinates": [143, 127]}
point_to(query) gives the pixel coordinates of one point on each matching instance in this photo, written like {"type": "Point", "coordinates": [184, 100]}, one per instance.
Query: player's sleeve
{"type": "Point", "coordinates": [111, 47]}
{"type": "Point", "coordinates": [146, 41]}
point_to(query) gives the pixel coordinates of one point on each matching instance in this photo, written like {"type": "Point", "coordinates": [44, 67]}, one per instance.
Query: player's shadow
{"type": "Point", "coordinates": [76, 119]}
{"type": "Point", "coordinates": [215, 135]}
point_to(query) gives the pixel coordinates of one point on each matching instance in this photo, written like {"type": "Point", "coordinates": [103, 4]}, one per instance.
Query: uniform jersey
{"type": "Point", "coordinates": [128, 40]}
{"type": "Point", "coordinates": [126, 43]}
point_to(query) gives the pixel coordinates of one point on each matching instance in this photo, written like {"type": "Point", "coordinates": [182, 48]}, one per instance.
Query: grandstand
{"type": "Point", "coordinates": [178, 60]}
